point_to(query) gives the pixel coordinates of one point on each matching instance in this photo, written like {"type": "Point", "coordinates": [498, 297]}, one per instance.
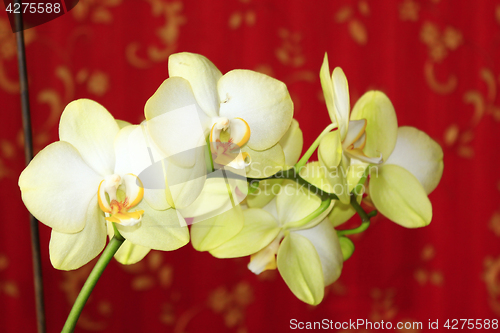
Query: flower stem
{"type": "Point", "coordinates": [365, 218]}
{"type": "Point", "coordinates": [110, 250]}
{"type": "Point", "coordinates": [303, 161]}
{"type": "Point", "coordinates": [28, 155]}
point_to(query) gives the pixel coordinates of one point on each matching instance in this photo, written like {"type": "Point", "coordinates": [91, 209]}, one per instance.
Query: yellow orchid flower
{"type": "Point", "coordinates": [367, 136]}
{"type": "Point", "coordinates": [242, 109]}
{"type": "Point", "coordinates": [83, 182]}
{"type": "Point", "coordinates": [399, 187]}
{"type": "Point", "coordinates": [290, 233]}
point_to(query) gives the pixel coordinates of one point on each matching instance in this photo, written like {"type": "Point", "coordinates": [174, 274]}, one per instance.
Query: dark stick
{"type": "Point", "coordinates": [28, 154]}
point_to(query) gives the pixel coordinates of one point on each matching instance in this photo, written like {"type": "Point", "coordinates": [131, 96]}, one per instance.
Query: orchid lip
{"type": "Point", "coordinates": [265, 259]}
{"type": "Point", "coordinates": [227, 136]}
{"type": "Point", "coordinates": [118, 202]}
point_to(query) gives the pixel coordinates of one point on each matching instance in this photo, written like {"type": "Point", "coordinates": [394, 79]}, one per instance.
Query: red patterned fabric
{"type": "Point", "coordinates": [437, 60]}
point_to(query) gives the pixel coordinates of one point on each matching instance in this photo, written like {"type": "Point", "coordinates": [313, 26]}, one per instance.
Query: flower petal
{"type": "Point", "coordinates": [420, 154]}
{"type": "Point", "coordinates": [185, 183]}
{"type": "Point", "coordinates": [294, 202]}
{"type": "Point", "coordinates": [300, 266]}
{"type": "Point", "coordinates": [326, 242]}
{"type": "Point", "coordinates": [347, 247]}
{"type": "Point", "coordinates": [129, 253]}
{"type": "Point", "coordinates": [327, 86]}
{"type": "Point", "coordinates": [358, 154]}
{"type": "Point", "coordinates": [264, 163]}
{"type": "Point", "coordinates": [263, 102]}
{"type": "Point", "coordinates": [337, 177]}
{"type": "Point", "coordinates": [175, 122]}
{"type": "Point", "coordinates": [398, 195]}
{"type": "Point", "coordinates": [91, 129]}
{"type": "Point", "coordinates": [202, 75]}
{"type": "Point", "coordinates": [122, 123]}
{"type": "Point", "coordinates": [314, 174]}
{"type": "Point", "coordinates": [57, 187]}
{"type": "Point", "coordinates": [162, 230]}
{"type": "Point", "coordinates": [356, 171]}
{"type": "Point", "coordinates": [260, 228]}
{"type": "Point", "coordinates": [266, 192]}
{"type": "Point", "coordinates": [330, 149]}
{"type": "Point", "coordinates": [342, 212]}
{"type": "Point", "coordinates": [211, 233]}
{"type": "Point", "coordinates": [137, 155]}
{"type": "Point", "coordinates": [71, 251]}
{"type": "Point", "coordinates": [382, 124]}
{"type": "Point", "coordinates": [341, 100]}
{"type": "Point", "coordinates": [355, 132]}
{"type": "Point", "coordinates": [216, 197]}
{"type": "Point", "coordinates": [292, 143]}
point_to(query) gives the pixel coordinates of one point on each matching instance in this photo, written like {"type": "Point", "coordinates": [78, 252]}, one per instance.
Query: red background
{"type": "Point", "coordinates": [437, 60]}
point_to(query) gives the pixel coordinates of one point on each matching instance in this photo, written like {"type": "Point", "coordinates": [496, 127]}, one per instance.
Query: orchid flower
{"type": "Point", "coordinates": [292, 234]}
{"type": "Point", "coordinates": [291, 143]}
{"type": "Point", "coordinates": [83, 182]}
{"type": "Point", "coordinates": [212, 232]}
{"type": "Point", "coordinates": [367, 136]}
{"type": "Point", "coordinates": [242, 109]}
{"type": "Point", "coordinates": [402, 183]}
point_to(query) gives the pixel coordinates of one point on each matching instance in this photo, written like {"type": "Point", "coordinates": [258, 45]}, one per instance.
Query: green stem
{"type": "Point", "coordinates": [110, 250]}
{"type": "Point", "coordinates": [303, 161]}
{"type": "Point", "coordinates": [301, 223]}
{"type": "Point", "coordinates": [365, 218]}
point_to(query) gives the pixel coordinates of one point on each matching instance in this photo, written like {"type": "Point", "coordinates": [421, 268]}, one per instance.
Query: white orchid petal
{"type": "Point", "coordinates": [327, 86]}
{"type": "Point", "coordinates": [129, 253]}
{"type": "Point", "coordinates": [382, 124]}
{"type": "Point", "coordinates": [202, 75]}
{"type": "Point", "coordinates": [186, 183]}
{"type": "Point", "coordinates": [294, 203]}
{"type": "Point", "coordinates": [292, 143]}
{"type": "Point", "coordinates": [122, 123]}
{"type": "Point", "coordinates": [337, 177]}
{"type": "Point", "coordinates": [341, 212]}
{"type": "Point", "coordinates": [162, 230]}
{"type": "Point", "coordinates": [175, 122]}
{"type": "Point", "coordinates": [314, 174]}
{"type": "Point", "coordinates": [91, 129]}
{"type": "Point", "coordinates": [359, 155]}
{"type": "Point", "coordinates": [259, 230]}
{"type": "Point", "coordinates": [263, 102]}
{"type": "Point", "coordinates": [57, 187]}
{"type": "Point", "coordinates": [300, 266]}
{"type": "Point", "coordinates": [267, 191]}
{"type": "Point", "coordinates": [330, 149]}
{"type": "Point", "coordinates": [70, 251]}
{"type": "Point", "coordinates": [420, 154]}
{"type": "Point", "coordinates": [137, 154]}
{"type": "Point", "coordinates": [341, 100]}
{"type": "Point", "coordinates": [399, 196]}
{"type": "Point", "coordinates": [214, 199]}
{"type": "Point", "coordinates": [355, 132]}
{"type": "Point", "coordinates": [264, 163]}
{"type": "Point", "coordinates": [211, 233]}
{"type": "Point", "coordinates": [324, 238]}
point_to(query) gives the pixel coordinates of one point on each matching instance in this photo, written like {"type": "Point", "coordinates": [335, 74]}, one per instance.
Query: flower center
{"type": "Point", "coordinates": [266, 258]}
{"type": "Point", "coordinates": [355, 141]}
{"type": "Point", "coordinates": [226, 139]}
{"type": "Point", "coordinates": [116, 195]}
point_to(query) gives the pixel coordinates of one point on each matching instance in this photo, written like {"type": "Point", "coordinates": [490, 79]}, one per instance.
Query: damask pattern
{"type": "Point", "coordinates": [437, 60]}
